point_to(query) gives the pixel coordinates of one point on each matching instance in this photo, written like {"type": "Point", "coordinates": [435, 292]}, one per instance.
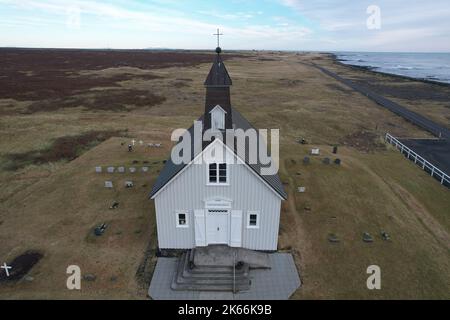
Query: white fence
{"type": "Point", "coordinates": [420, 161]}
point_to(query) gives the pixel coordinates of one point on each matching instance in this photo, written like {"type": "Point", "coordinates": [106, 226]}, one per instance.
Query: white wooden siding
{"type": "Point", "coordinates": [188, 191]}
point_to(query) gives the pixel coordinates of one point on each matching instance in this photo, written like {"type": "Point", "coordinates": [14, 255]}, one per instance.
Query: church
{"type": "Point", "coordinates": [217, 202]}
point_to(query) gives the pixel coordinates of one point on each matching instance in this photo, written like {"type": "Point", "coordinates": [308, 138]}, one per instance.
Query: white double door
{"type": "Point", "coordinates": [218, 226]}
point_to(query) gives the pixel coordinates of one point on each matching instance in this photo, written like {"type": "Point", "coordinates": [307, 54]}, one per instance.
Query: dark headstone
{"type": "Point", "coordinates": [306, 160]}
{"type": "Point", "coordinates": [115, 205]}
{"type": "Point", "coordinates": [130, 148]}
{"type": "Point", "coordinates": [367, 237]}
{"type": "Point", "coordinates": [129, 184]}
{"type": "Point", "coordinates": [335, 149]}
{"type": "Point", "coordinates": [100, 230]}
{"type": "Point", "coordinates": [89, 277]}
{"type": "Point", "coordinates": [385, 236]}
{"type": "Point", "coordinates": [337, 162]}
{"type": "Point", "coordinates": [326, 161]}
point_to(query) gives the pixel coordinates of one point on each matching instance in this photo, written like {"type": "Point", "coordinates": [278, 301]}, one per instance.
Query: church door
{"type": "Point", "coordinates": [217, 226]}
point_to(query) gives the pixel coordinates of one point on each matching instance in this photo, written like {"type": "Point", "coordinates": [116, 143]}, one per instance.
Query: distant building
{"type": "Point", "coordinates": [216, 202]}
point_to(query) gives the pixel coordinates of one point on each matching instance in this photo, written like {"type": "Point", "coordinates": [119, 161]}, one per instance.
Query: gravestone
{"type": "Point", "coordinates": [144, 169]}
{"type": "Point", "coordinates": [108, 184]}
{"type": "Point", "coordinates": [98, 169]}
{"type": "Point", "coordinates": [91, 277]}
{"type": "Point", "coordinates": [151, 145]}
{"type": "Point", "coordinates": [367, 237]}
{"type": "Point", "coordinates": [110, 169]}
{"type": "Point", "coordinates": [335, 149]}
{"type": "Point", "coordinates": [306, 160]}
{"type": "Point", "coordinates": [326, 161]}
{"type": "Point", "coordinates": [130, 148]}
{"type": "Point", "coordinates": [121, 169]}
{"type": "Point", "coordinates": [333, 238]}
{"type": "Point", "coordinates": [301, 189]}
{"type": "Point", "coordinates": [115, 205]}
{"type": "Point", "coordinates": [315, 152]}
{"type": "Point", "coordinates": [132, 170]}
{"type": "Point", "coordinates": [337, 162]}
{"type": "Point", "coordinates": [158, 145]}
{"type": "Point", "coordinates": [100, 230]}
{"type": "Point", "coordinates": [385, 236]}
{"type": "Point", "coordinates": [129, 184]}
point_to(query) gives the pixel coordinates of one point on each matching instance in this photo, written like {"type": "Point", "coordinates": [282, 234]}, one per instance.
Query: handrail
{"type": "Point", "coordinates": [234, 272]}
{"type": "Point", "coordinates": [435, 171]}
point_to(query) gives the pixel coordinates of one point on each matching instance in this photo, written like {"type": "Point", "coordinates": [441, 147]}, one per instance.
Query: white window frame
{"type": "Point", "coordinates": [257, 213]}
{"type": "Point", "coordinates": [218, 111]}
{"type": "Point", "coordinates": [218, 183]}
{"type": "Point", "coordinates": [177, 217]}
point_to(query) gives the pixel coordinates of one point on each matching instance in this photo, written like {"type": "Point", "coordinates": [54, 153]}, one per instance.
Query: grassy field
{"type": "Point", "coordinates": [52, 201]}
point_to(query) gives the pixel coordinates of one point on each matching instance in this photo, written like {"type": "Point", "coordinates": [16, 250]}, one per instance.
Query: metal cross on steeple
{"type": "Point", "coordinates": [218, 34]}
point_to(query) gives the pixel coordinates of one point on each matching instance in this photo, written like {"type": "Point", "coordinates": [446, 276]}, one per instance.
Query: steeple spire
{"type": "Point", "coordinates": [218, 75]}
{"type": "Point", "coordinates": [217, 85]}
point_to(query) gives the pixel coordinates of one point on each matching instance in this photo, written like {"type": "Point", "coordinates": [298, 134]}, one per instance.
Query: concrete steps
{"type": "Point", "coordinates": [208, 278]}
{"type": "Point", "coordinates": [220, 255]}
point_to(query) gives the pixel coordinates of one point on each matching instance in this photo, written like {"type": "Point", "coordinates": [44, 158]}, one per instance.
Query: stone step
{"type": "Point", "coordinates": [219, 282]}
{"type": "Point", "coordinates": [184, 279]}
{"type": "Point", "coordinates": [213, 275]}
{"type": "Point", "coordinates": [212, 272]}
{"type": "Point", "coordinates": [225, 256]}
{"type": "Point", "coordinates": [216, 288]}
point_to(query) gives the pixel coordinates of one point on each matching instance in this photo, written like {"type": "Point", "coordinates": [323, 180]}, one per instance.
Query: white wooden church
{"type": "Point", "coordinates": [207, 203]}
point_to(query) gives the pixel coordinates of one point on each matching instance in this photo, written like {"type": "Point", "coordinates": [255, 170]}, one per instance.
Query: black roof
{"type": "Point", "coordinates": [171, 169]}
{"type": "Point", "coordinates": [218, 75]}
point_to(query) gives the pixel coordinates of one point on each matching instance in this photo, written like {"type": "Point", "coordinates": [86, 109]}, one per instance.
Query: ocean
{"type": "Point", "coordinates": [428, 66]}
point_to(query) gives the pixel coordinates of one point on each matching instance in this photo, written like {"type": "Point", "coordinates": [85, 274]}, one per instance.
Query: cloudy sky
{"type": "Point", "coordinates": [328, 25]}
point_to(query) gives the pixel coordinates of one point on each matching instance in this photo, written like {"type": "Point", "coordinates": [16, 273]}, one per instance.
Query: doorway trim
{"type": "Point", "coordinates": [218, 203]}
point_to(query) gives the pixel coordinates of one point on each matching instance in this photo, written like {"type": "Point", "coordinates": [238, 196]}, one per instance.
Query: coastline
{"type": "Point", "coordinates": [373, 70]}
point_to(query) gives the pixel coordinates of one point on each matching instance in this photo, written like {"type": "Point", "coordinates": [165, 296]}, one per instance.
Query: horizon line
{"type": "Point", "coordinates": [209, 49]}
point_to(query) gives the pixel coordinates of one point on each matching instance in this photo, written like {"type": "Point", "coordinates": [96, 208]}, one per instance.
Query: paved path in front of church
{"type": "Point", "coordinates": [277, 283]}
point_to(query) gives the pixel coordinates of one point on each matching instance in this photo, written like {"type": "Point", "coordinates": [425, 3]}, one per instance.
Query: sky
{"type": "Point", "coordinates": [321, 25]}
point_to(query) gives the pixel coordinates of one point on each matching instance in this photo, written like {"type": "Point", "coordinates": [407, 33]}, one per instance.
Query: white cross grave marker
{"type": "Point", "coordinates": [6, 267]}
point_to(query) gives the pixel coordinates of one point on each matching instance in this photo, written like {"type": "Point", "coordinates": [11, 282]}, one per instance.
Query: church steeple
{"type": "Point", "coordinates": [218, 75]}
{"type": "Point", "coordinates": [217, 86]}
